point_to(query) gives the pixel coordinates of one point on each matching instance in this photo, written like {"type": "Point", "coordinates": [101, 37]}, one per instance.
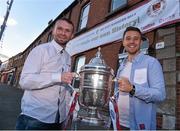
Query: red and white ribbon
{"type": "Point", "coordinates": [73, 103]}
{"type": "Point", "coordinates": [114, 113]}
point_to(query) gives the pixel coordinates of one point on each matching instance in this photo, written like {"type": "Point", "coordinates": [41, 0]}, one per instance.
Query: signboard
{"type": "Point", "coordinates": [151, 15]}
{"type": "Point", "coordinates": [160, 45]}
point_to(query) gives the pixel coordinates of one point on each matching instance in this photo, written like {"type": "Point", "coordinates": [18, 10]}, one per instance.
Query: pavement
{"type": "Point", "coordinates": [10, 100]}
{"type": "Point", "coordinates": [10, 108]}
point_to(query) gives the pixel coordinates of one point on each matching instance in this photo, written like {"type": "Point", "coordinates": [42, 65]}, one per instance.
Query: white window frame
{"type": "Point", "coordinates": [84, 17]}
{"type": "Point", "coordinates": [78, 63]}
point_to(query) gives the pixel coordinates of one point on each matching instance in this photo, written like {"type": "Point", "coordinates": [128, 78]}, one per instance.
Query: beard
{"type": "Point", "coordinates": [61, 42]}
{"type": "Point", "coordinates": [133, 52]}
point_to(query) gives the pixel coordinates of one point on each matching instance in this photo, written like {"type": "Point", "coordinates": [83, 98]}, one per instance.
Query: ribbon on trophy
{"type": "Point", "coordinates": [114, 113]}
{"type": "Point", "coordinates": [73, 103]}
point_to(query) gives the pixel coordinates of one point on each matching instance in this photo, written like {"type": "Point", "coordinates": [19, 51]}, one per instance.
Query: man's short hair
{"type": "Point", "coordinates": [68, 21]}
{"type": "Point", "coordinates": [132, 28]}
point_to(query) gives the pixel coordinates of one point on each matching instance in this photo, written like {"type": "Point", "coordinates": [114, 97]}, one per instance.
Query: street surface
{"type": "Point", "coordinates": [10, 98]}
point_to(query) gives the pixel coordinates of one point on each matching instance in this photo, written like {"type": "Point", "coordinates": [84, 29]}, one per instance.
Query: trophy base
{"type": "Point", "coordinates": [92, 119]}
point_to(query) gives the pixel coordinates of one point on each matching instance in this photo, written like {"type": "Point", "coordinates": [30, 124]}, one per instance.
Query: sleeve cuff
{"type": "Point", "coordinates": [56, 77]}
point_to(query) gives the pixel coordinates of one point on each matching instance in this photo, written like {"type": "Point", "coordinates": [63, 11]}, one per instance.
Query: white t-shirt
{"type": "Point", "coordinates": [123, 99]}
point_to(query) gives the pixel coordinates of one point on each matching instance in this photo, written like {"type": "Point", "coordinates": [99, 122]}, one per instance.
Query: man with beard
{"type": "Point", "coordinates": [45, 76]}
{"type": "Point", "coordinates": [140, 85]}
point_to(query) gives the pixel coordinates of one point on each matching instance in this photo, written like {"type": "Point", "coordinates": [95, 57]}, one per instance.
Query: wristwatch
{"type": "Point", "coordinates": [132, 92]}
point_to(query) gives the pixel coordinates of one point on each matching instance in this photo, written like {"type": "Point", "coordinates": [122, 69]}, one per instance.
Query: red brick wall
{"type": "Point", "coordinates": [75, 14]}
{"type": "Point", "coordinates": [178, 106]}
{"type": "Point", "coordinates": [178, 83]}
{"type": "Point", "coordinates": [109, 52]}
{"type": "Point", "coordinates": [96, 14]}
{"type": "Point", "coordinates": [132, 2]}
{"type": "Point", "coordinates": [159, 121]}
{"type": "Point", "coordinates": [98, 11]}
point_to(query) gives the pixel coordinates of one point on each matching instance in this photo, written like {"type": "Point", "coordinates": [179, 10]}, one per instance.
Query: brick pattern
{"type": "Point", "coordinates": [178, 64]}
{"type": "Point", "coordinates": [159, 121]}
{"type": "Point", "coordinates": [100, 12]}
{"type": "Point", "coordinates": [178, 107]}
{"type": "Point", "coordinates": [132, 2]}
{"type": "Point", "coordinates": [178, 82]}
{"type": "Point", "coordinates": [167, 58]}
{"type": "Point", "coordinates": [178, 39]}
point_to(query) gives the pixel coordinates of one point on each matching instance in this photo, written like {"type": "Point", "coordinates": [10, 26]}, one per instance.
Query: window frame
{"type": "Point", "coordinates": [77, 59]}
{"type": "Point", "coordinates": [49, 37]}
{"type": "Point", "coordinates": [119, 7]}
{"type": "Point", "coordinates": [81, 19]}
{"type": "Point", "coordinates": [76, 81]}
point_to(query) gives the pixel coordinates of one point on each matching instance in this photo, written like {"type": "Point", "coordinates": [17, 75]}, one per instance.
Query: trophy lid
{"type": "Point", "coordinates": [97, 63]}
{"type": "Point", "coordinates": [98, 60]}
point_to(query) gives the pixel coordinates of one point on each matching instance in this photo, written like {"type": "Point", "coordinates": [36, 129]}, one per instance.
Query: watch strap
{"type": "Point", "coordinates": [132, 92]}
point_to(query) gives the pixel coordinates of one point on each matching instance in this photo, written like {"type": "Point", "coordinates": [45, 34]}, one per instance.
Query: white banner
{"type": "Point", "coordinates": [151, 15]}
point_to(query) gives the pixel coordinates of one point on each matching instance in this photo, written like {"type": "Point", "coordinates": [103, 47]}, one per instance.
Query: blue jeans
{"type": "Point", "coordinates": [25, 122]}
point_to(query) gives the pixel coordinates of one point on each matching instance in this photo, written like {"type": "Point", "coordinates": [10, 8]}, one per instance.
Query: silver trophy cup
{"type": "Point", "coordinates": [95, 90]}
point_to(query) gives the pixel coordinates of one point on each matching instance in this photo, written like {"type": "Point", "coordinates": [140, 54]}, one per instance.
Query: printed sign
{"type": "Point", "coordinates": [151, 15]}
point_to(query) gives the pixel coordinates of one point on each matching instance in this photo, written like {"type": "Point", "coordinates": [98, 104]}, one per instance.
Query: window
{"type": "Point", "coordinates": [39, 42]}
{"type": "Point", "coordinates": [118, 4]}
{"type": "Point", "coordinates": [49, 37]}
{"type": "Point", "coordinates": [80, 61]}
{"type": "Point", "coordinates": [145, 45]}
{"type": "Point", "coordinates": [84, 16]}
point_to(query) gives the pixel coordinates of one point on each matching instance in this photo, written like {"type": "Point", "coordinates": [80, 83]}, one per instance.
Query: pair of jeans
{"type": "Point", "coordinates": [25, 122]}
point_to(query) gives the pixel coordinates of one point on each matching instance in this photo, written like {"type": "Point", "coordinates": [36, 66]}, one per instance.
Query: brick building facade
{"type": "Point", "coordinates": [101, 12]}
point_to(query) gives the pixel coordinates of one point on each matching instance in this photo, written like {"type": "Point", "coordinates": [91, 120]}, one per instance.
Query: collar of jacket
{"type": "Point", "coordinates": [137, 58]}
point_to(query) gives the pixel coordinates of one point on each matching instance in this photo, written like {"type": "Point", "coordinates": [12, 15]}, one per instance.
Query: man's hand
{"type": "Point", "coordinates": [67, 77]}
{"type": "Point", "coordinates": [124, 84]}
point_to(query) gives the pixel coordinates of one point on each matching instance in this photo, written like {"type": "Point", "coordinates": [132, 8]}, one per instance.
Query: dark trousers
{"type": "Point", "coordinates": [25, 122]}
